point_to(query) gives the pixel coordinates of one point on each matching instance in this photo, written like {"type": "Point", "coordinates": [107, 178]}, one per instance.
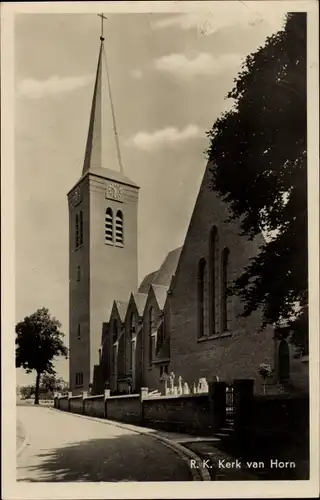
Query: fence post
{"type": "Point", "coordinates": [217, 396]}
{"type": "Point", "coordinates": [143, 395]}
{"type": "Point", "coordinates": [55, 400]}
{"type": "Point", "coordinates": [69, 396]}
{"type": "Point", "coordinates": [84, 396]}
{"type": "Point", "coordinates": [106, 396]}
{"type": "Point", "coordinates": [243, 403]}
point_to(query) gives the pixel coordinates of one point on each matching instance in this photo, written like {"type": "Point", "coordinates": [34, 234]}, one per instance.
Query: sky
{"type": "Point", "coordinates": [170, 74]}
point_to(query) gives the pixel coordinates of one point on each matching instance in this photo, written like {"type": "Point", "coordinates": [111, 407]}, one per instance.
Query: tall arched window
{"type": "Point", "coordinates": [115, 331]}
{"type": "Point", "coordinates": [114, 347]}
{"type": "Point", "coordinates": [160, 337]}
{"type": "Point", "coordinates": [224, 289]}
{"type": "Point", "coordinates": [213, 250]}
{"type": "Point", "coordinates": [108, 230]}
{"type": "Point", "coordinates": [77, 231]}
{"type": "Point", "coordinates": [203, 299]}
{"type": "Point", "coordinates": [119, 228]}
{"type": "Point", "coordinates": [151, 327]}
{"type": "Point", "coordinates": [132, 332]}
{"type": "Point", "coordinates": [81, 227]}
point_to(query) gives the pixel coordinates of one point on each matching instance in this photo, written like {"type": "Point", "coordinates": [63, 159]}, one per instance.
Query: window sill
{"type": "Point", "coordinates": [215, 336]}
{"type": "Point", "coordinates": [119, 245]}
{"type": "Point", "coordinates": [110, 243]}
{"type": "Point", "coordinates": [78, 248]}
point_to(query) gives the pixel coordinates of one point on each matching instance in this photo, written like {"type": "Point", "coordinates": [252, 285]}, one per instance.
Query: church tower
{"type": "Point", "coordinates": [103, 262]}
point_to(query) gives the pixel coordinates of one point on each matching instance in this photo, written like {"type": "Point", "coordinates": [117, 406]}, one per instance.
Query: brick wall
{"type": "Point", "coordinates": [189, 413]}
{"type": "Point", "coordinates": [63, 403]}
{"type": "Point", "coordinates": [238, 352]}
{"type": "Point", "coordinates": [93, 406]}
{"type": "Point", "coordinates": [124, 408]}
{"type": "Point", "coordinates": [76, 404]}
{"type": "Point", "coordinates": [270, 415]}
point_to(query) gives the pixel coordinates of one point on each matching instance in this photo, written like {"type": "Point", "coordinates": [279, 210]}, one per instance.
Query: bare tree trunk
{"type": "Point", "coordinates": [36, 396]}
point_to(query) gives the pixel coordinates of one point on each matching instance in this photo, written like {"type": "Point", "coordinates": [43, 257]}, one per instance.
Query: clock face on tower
{"type": "Point", "coordinates": [114, 191]}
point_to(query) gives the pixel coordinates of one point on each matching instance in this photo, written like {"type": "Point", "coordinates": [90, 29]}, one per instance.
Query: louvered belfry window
{"type": "Point", "coordinates": [81, 227]}
{"type": "Point", "coordinates": [77, 242]}
{"type": "Point", "coordinates": [119, 228]}
{"type": "Point", "coordinates": [109, 226]}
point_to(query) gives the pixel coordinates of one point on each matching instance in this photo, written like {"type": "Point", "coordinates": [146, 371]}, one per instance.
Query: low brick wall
{"type": "Point", "coordinates": [281, 416]}
{"type": "Point", "coordinates": [185, 413]}
{"type": "Point", "coordinates": [63, 403]}
{"type": "Point", "coordinates": [124, 408]}
{"type": "Point", "coordinates": [76, 404]}
{"type": "Point", "coordinates": [93, 406]}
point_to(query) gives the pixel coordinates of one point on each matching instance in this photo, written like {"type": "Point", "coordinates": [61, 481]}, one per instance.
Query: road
{"type": "Point", "coordinates": [66, 447]}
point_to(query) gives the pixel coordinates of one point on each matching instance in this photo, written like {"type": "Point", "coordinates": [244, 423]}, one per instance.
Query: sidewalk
{"type": "Point", "coordinates": [202, 452]}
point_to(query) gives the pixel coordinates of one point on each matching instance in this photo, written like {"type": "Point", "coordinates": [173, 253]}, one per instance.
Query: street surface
{"type": "Point", "coordinates": [65, 447]}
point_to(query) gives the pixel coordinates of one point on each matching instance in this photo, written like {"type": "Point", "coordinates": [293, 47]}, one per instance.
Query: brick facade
{"type": "Point", "coordinates": [229, 351]}
{"type": "Point", "coordinates": [99, 271]}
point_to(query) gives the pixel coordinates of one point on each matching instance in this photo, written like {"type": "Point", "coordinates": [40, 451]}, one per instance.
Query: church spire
{"type": "Point", "coordinates": [93, 153]}
{"type": "Point", "coordinates": [93, 156]}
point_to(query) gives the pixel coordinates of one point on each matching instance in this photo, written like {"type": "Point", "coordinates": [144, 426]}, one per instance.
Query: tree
{"type": "Point", "coordinates": [38, 342]}
{"type": "Point", "coordinates": [27, 391]}
{"type": "Point", "coordinates": [50, 383]}
{"type": "Point", "coordinates": [258, 150]}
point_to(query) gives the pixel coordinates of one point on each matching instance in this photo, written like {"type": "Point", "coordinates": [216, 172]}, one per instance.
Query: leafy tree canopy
{"type": "Point", "coordinates": [51, 383]}
{"type": "Point", "coordinates": [259, 153]}
{"type": "Point", "coordinates": [38, 341]}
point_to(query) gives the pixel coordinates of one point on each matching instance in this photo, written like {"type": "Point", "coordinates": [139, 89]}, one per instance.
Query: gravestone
{"type": "Point", "coordinates": [203, 385]}
{"type": "Point", "coordinates": [172, 376]}
{"type": "Point", "coordinates": [186, 389]}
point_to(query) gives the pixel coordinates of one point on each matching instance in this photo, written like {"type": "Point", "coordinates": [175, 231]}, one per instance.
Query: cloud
{"type": "Point", "coordinates": [225, 16]}
{"type": "Point", "coordinates": [200, 64]}
{"type": "Point", "coordinates": [54, 85]}
{"type": "Point", "coordinates": [166, 137]}
{"type": "Point", "coordinates": [136, 73]}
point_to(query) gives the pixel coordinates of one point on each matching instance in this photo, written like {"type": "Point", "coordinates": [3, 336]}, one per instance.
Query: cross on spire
{"type": "Point", "coordinates": [102, 19]}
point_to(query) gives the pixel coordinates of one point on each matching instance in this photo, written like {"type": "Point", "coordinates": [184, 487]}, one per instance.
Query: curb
{"type": "Point", "coordinates": [198, 473]}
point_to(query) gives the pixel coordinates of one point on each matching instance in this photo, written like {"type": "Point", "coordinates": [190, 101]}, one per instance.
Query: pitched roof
{"type": "Point", "coordinates": [160, 292]}
{"type": "Point", "coordinates": [146, 282]}
{"type": "Point", "coordinates": [140, 301]}
{"type": "Point", "coordinates": [167, 268]}
{"type": "Point", "coordinates": [164, 274]}
{"type": "Point", "coordinates": [122, 308]}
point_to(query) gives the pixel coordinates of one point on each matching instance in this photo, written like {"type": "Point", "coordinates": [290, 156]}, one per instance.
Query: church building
{"type": "Point", "coordinates": [179, 319]}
